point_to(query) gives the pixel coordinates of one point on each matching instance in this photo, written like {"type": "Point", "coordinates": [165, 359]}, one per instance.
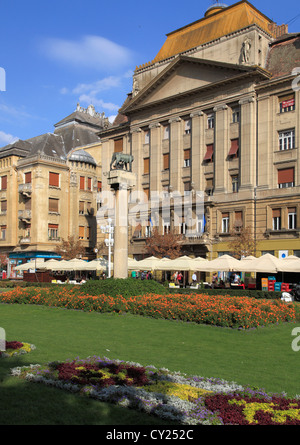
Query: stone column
{"type": "Point", "coordinates": [155, 157]}
{"type": "Point", "coordinates": [247, 143]}
{"type": "Point", "coordinates": [221, 148]}
{"type": "Point", "coordinates": [176, 154]}
{"type": "Point", "coordinates": [121, 181]}
{"type": "Point", "coordinates": [197, 150]}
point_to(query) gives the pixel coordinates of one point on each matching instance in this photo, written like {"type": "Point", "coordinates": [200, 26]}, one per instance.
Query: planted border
{"type": "Point", "coordinates": [218, 310]}
{"type": "Point", "coordinates": [172, 396]}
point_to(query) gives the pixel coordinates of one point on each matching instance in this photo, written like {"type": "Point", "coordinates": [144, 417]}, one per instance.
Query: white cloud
{"type": "Point", "coordinates": [100, 85]}
{"type": "Point", "coordinates": [89, 52]}
{"type": "Point", "coordinates": [6, 138]}
{"type": "Point", "coordinates": [90, 99]}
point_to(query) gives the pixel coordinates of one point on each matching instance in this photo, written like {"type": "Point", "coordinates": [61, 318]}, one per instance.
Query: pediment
{"type": "Point", "coordinates": [183, 76]}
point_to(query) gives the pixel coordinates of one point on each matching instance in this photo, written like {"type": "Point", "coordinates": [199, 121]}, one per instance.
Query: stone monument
{"type": "Point", "coordinates": [121, 180]}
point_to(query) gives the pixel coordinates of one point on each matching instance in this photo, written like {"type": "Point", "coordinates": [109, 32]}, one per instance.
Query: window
{"type": "Point", "coordinates": [3, 206]}
{"type": "Point", "coordinates": [118, 145]}
{"type": "Point", "coordinates": [225, 222]}
{"type": "Point", "coordinates": [209, 153]}
{"type": "Point", "coordinates": [166, 160]}
{"type": "Point", "coordinates": [187, 158]}
{"type": "Point", "coordinates": [235, 115]}
{"type": "Point", "coordinates": [276, 219]}
{"type": "Point", "coordinates": [146, 166]}
{"type": "Point", "coordinates": [234, 149]}
{"type": "Point", "coordinates": [209, 186]}
{"type": "Point", "coordinates": [235, 183]}
{"type": "Point", "coordinates": [166, 226]}
{"type": "Point", "coordinates": [81, 207]}
{"type": "Point", "coordinates": [28, 178]}
{"type": "Point", "coordinates": [53, 205]}
{"type": "Point", "coordinates": [53, 231]}
{"type": "Point", "coordinates": [27, 230]}
{"type": "Point", "coordinates": [3, 182]}
{"type": "Point", "coordinates": [238, 221]}
{"type": "Point", "coordinates": [99, 186]}
{"type": "Point", "coordinates": [146, 137]}
{"type": "Point", "coordinates": [3, 232]}
{"type": "Point", "coordinates": [292, 218]}
{"type": "Point", "coordinates": [89, 208]}
{"type": "Point", "coordinates": [287, 103]}
{"type": "Point", "coordinates": [54, 179]}
{"type": "Point", "coordinates": [166, 132]}
{"type": "Point", "coordinates": [89, 183]}
{"type": "Point", "coordinates": [286, 177]}
{"type": "Point", "coordinates": [88, 232]}
{"type": "Point", "coordinates": [286, 140]}
{"type": "Point", "coordinates": [188, 126]}
{"type": "Point", "coordinates": [147, 194]}
{"type": "Point", "coordinates": [210, 120]}
{"type": "Point", "coordinates": [148, 231]}
{"type": "Point", "coordinates": [81, 232]}
{"type": "Point", "coordinates": [82, 183]}
{"type": "Point", "coordinates": [187, 188]}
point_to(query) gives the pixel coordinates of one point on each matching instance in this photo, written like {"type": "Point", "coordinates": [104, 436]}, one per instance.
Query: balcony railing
{"type": "Point", "coordinates": [24, 215]}
{"type": "Point", "coordinates": [25, 189]}
{"type": "Point", "coordinates": [25, 240]}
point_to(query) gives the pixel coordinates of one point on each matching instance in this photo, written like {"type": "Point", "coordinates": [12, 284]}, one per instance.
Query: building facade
{"type": "Point", "coordinates": [49, 186]}
{"type": "Point", "coordinates": [217, 112]}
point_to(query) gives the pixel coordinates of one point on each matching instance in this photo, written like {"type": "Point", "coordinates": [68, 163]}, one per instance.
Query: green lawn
{"type": "Point", "coordinates": [260, 357]}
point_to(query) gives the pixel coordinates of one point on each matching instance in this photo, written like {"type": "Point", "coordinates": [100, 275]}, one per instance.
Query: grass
{"type": "Point", "coordinates": [261, 357]}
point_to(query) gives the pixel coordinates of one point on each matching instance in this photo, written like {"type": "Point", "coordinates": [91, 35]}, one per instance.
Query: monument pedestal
{"type": "Point", "coordinates": [121, 182]}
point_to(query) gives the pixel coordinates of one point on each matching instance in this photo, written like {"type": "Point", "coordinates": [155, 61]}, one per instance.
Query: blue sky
{"type": "Point", "coordinates": [57, 53]}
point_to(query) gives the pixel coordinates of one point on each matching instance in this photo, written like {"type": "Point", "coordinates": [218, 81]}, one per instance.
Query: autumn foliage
{"type": "Point", "coordinates": [166, 245]}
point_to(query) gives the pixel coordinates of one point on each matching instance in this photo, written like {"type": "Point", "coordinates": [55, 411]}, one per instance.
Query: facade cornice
{"type": "Point", "coordinates": [248, 74]}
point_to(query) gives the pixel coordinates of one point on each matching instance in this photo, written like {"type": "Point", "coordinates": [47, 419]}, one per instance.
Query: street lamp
{"type": "Point", "coordinates": [109, 242]}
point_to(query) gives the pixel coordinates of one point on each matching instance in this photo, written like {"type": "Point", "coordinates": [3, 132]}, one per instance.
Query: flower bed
{"type": "Point", "coordinates": [170, 395]}
{"type": "Point", "coordinates": [219, 310]}
{"type": "Point", "coordinates": [13, 348]}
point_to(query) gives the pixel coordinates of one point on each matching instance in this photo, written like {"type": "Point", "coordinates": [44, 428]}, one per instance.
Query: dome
{"type": "Point", "coordinates": [216, 7]}
{"type": "Point", "coordinates": [82, 156]}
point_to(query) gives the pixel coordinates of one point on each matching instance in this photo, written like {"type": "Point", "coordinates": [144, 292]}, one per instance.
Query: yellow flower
{"type": "Point", "coordinates": [183, 392]}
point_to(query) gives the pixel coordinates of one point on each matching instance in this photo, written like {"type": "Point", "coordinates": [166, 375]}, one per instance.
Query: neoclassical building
{"type": "Point", "coordinates": [217, 112]}
{"type": "Point", "coordinates": [48, 189]}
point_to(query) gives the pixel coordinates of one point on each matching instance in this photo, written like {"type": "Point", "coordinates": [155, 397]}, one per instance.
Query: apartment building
{"type": "Point", "coordinates": [48, 189]}
{"type": "Point", "coordinates": [217, 111]}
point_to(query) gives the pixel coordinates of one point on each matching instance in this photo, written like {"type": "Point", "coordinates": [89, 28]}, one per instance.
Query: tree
{"type": "Point", "coordinates": [243, 243]}
{"type": "Point", "coordinates": [70, 248]}
{"type": "Point", "coordinates": [167, 245]}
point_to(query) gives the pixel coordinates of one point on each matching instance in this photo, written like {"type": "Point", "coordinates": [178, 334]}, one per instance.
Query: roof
{"type": "Point", "coordinates": [231, 72]}
{"type": "Point", "coordinates": [284, 55]}
{"type": "Point", "coordinates": [215, 25]}
{"type": "Point", "coordinates": [70, 133]}
{"type": "Point", "coordinates": [82, 156]}
{"type": "Point", "coordinates": [87, 116]}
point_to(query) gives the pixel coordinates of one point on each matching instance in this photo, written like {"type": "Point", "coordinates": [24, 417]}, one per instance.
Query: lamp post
{"type": "Point", "coordinates": [109, 242]}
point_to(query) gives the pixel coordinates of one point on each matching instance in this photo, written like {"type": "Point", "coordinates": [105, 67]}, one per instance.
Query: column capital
{"type": "Point", "coordinates": [174, 120]}
{"type": "Point", "coordinates": [154, 125]}
{"type": "Point", "coordinates": [221, 107]}
{"type": "Point", "coordinates": [247, 100]}
{"type": "Point", "coordinates": [197, 113]}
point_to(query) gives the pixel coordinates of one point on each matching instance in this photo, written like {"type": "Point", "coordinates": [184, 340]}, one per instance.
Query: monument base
{"type": "Point", "coordinates": [121, 181]}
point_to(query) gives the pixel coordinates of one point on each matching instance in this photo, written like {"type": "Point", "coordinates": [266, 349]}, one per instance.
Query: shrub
{"type": "Point", "coordinates": [125, 287]}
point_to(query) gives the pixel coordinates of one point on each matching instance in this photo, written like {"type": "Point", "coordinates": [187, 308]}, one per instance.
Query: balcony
{"type": "Point", "coordinates": [24, 215]}
{"type": "Point", "coordinates": [25, 240]}
{"type": "Point", "coordinates": [25, 189]}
